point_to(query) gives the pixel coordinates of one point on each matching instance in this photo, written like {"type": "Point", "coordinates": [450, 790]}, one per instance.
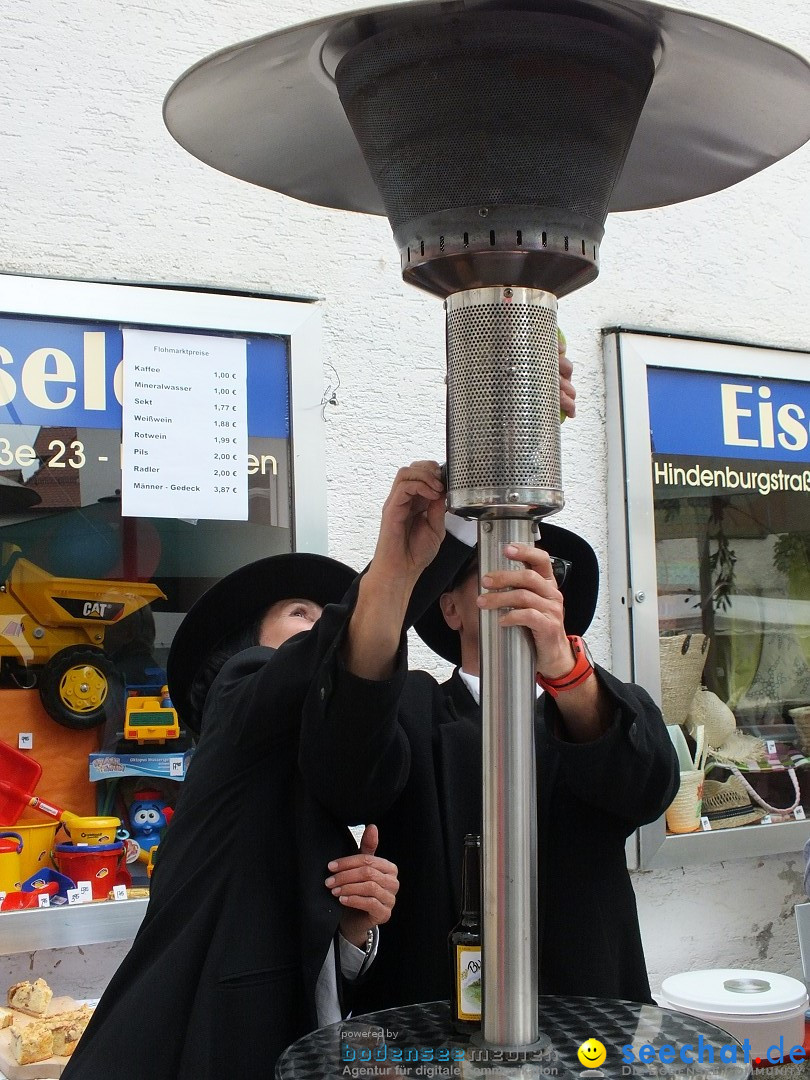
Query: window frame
{"type": "Point", "coordinates": [628, 352]}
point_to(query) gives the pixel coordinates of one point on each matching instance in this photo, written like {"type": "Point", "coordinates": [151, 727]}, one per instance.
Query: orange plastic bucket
{"type": "Point", "coordinates": [37, 843]}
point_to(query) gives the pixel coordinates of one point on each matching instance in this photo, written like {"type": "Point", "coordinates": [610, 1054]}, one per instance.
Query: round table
{"type": "Point", "coordinates": [419, 1041]}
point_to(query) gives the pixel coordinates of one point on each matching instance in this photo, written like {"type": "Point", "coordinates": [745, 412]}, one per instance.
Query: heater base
{"type": "Point", "coordinates": [516, 1055]}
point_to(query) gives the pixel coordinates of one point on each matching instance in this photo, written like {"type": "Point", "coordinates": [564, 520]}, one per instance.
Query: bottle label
{"type": "Point", "coordinates": [468, 981]}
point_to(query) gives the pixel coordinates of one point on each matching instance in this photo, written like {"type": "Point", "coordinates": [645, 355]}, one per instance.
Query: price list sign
{"type": "Point", "coordinates": [184, 452]}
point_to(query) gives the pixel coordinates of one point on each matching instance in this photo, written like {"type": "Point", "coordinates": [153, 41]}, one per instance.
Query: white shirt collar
{"type": "Point", "coordinates": [473, 684]}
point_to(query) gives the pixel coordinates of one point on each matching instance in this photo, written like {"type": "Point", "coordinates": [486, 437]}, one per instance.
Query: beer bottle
{"type": "Point", "coordinates": [465, 943]}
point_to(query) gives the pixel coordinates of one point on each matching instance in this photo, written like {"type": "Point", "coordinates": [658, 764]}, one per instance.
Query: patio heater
{"type": "Point", "coordinates": [496, 136]}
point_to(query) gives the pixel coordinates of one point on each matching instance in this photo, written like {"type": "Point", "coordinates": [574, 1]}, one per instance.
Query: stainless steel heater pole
{"type": "Point", "coordinates": [509, 837]}
{"type": "Point", "coordinates": [503, 459]}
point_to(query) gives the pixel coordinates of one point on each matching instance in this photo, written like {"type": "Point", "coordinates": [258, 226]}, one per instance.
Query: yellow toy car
{"type": "Point", "coordinates": [150, 716]}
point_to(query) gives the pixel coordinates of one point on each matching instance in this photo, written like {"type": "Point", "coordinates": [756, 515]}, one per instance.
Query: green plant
{"type": "Point", "coordinates": [791, 554]}
{"type": "Point", "coordinates": [722, 560]}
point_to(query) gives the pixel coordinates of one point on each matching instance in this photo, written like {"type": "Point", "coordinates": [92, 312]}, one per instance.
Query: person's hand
{"type": "Point", "coordinates": [367, 885]}
{"type": "Point", "coordinates": [411, 525]}
{"type": "Point", "coordinates": [411, 532]}
{"type": "Point", "coordinates": [536, 604]}
{"type": "Point", "coordinates": [567, 391]}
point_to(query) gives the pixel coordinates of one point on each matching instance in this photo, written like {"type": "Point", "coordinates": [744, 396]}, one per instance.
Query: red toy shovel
{"type": "Point", "coordinates": [19, 775]}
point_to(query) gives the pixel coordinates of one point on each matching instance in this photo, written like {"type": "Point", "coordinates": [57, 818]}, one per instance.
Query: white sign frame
{"type": "Point", "coordinates": [168, 307]}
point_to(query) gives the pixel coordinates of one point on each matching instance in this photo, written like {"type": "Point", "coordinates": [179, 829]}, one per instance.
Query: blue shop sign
{"type": "Point", "coordinates": [708, 414]}
{"type": "Point", "coordinates": [68, 374]}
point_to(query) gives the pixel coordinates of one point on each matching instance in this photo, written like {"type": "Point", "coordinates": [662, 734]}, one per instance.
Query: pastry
{"type": "Point", "coordinates": [31, 1042]}
{"type": "Point", "coordinates": [67, 1035]}
{"type": "Point", "coordinates": [32, 998]}
{"type": "Point", "coordinates": [72, 1016]}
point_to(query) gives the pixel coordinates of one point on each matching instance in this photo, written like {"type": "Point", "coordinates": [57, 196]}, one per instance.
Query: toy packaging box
{"type": "Point", "coordinates": [111, 766]}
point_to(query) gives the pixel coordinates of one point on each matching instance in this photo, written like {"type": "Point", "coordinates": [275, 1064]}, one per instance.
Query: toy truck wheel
{"type": "Point", "coordinates": [80, 688]}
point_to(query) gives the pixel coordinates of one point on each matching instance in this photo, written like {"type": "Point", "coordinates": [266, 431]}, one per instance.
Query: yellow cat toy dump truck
{"type": "Point", "coordinates": [52, 637]}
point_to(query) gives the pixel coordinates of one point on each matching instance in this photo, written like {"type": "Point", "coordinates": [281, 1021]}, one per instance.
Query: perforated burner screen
{"type": "Point", "coordinates": [503, 397]}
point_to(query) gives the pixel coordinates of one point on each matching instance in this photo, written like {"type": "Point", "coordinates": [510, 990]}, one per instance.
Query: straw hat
{"type": "Point", "coordinates": [709, 710]}
{"type": "Point", "coordinates": [728, 805]}
{"type": "Point", "coordinates": [725, 742]}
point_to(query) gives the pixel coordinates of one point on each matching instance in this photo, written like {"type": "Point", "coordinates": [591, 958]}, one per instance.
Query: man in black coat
{"type": "Point", "coordinates": [605, 766]}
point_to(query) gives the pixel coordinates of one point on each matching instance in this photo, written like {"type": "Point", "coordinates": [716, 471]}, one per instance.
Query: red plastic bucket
{"type": "Point", "coordinates": [100, 864]}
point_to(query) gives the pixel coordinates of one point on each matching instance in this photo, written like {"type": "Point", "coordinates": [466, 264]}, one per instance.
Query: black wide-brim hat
{"type": "Point", "coordinates": [241, 597]}
{"type": "Point", "coordinates": [580, 591]}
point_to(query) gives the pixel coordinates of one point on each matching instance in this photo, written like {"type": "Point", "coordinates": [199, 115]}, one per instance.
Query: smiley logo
{"type": "Point", "coordinates": [592, 1054]}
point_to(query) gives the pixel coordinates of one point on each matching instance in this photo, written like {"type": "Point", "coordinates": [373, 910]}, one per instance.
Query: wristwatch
{"type": "Point", "coordinates": [583, 666]}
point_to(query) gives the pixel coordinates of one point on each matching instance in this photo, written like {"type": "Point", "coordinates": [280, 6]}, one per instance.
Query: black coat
{"type": "Point", "coordinates": [221, 975]}
{"type": "Point", "coordinates": [590, 798]}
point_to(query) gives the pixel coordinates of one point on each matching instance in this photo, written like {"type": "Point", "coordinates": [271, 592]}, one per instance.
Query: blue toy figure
{"type": "Point", "coordinates": [149, 814]}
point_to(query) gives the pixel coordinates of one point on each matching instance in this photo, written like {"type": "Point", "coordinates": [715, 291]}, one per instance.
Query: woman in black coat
{"type": "Point", "coordinates": [231, 961]}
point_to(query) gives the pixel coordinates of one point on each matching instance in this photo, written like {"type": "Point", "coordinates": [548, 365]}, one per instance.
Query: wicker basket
{"type": "Point", "coordinates": [683, 814]}
{"type": "Point", "coordinates": [683, 657]}
{"type": "Point", "coordinates": [801, 721]}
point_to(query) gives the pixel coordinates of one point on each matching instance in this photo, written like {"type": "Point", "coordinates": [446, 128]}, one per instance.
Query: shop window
{"type": "Point", "coordinates": [710, 579]}
{"type": "Point", "coordinates": [90, 594]}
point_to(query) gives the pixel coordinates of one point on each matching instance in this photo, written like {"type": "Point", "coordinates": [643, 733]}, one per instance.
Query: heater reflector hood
{"type": "Point", "coordinates": [723, 104]}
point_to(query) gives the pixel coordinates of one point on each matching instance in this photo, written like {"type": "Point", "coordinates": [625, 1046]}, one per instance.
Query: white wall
{"type": "Point", "coordinates": [92, 186]}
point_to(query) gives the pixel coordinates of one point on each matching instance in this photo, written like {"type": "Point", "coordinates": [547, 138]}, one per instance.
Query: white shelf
{"type": "Point", "coordinates": [747, 842]}
{"type": "Point", "coordinates": [76, 924]}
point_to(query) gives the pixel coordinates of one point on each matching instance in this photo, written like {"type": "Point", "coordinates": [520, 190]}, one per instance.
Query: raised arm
{"type": "Point", "coordinates": [411, 532]}
{"type": "Point", "coordinates": [354, 754]}
{"type": "Point", "coordinates": [610, 736]}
